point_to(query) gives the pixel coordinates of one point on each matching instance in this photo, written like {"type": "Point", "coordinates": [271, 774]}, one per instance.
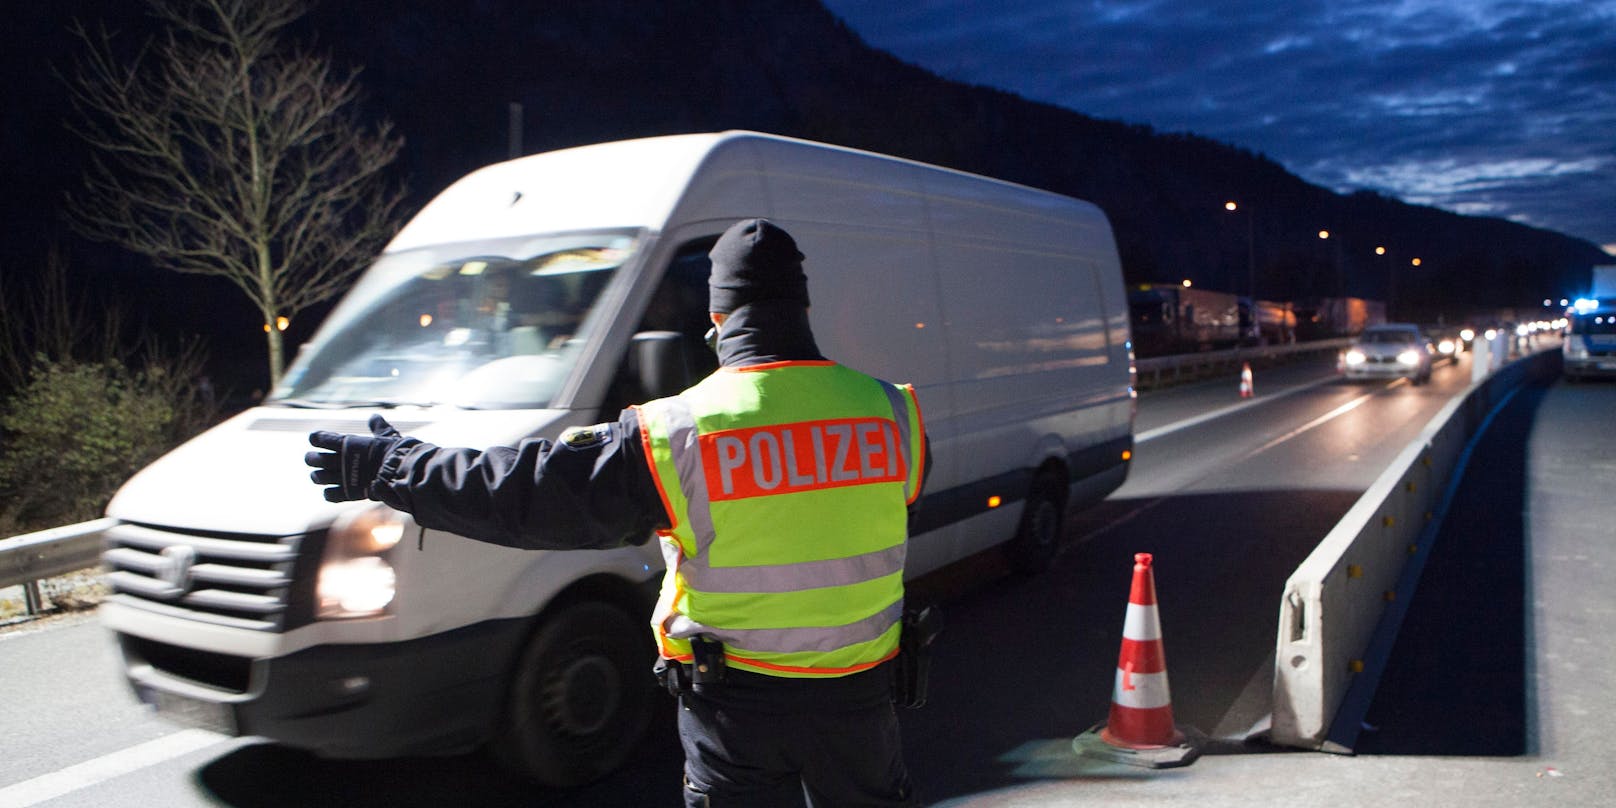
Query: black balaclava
{"type": "Point", "coordinates": [757, 280]}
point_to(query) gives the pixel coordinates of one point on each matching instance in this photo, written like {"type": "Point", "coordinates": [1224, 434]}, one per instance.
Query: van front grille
{"type": "Point", "coordinates": [240, 580]}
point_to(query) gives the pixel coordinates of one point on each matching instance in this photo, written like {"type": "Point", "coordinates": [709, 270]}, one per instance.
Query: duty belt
{"type": "Point", "coordinates": [707, 667]}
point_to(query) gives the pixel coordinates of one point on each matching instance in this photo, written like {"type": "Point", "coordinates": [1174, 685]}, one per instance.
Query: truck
{"type": "Point", "coordinates": [1171, 318]}
{"type": "Point", "coordinates": [1273, 322]}
{"type": "Point", "coordinates": [1332, 317]}
{"type": "Point", "coordinates": [551, 291]}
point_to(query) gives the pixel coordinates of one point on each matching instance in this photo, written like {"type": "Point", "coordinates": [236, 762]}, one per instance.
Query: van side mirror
{"type": "Point", "coordinates": [662, 363]}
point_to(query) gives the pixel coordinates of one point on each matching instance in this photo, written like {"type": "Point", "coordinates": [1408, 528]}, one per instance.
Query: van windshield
{"type": "Point", "coordinates": [489, 325]}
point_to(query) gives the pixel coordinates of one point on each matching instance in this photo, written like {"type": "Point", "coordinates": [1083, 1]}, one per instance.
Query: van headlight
{"type": "Point", "coordinates": [356, 574]}
{"type": "Point", "coordinates": [1355, 357]}
{"type": "Point", "coordinates": [1409, 357]}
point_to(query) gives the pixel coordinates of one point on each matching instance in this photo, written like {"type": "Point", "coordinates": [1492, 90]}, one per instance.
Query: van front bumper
{"type": "Point", "coordinates": [1582, 368]}
{"type": "Point", "coordinates": [433, 695]}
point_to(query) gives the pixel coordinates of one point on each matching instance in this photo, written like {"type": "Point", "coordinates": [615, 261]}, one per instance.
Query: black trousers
{"type": "Point", "coordinates": [744, 749]}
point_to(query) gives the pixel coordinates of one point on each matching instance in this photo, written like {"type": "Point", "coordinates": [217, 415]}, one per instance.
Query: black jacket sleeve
{"type": "Point", "coordinates": [593, 490]}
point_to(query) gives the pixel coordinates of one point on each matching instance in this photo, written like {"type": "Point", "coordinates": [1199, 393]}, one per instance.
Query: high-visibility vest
{"type": "Point", "coordinates": [786, 485]}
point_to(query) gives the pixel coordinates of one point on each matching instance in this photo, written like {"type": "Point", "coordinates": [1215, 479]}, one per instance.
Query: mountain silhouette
{"type": "Point", "coordinates": [447, 74]}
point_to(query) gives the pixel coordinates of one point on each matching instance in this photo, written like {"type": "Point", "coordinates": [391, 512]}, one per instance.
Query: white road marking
{"type": "Point", "coordinates": [1319, 421]}
{"type": "Point", "coordinates": [1204, 417]}
{"type": "Point", "coordinates": [1152, 434]}
{"type": "Point", "coordinates": [90, 772]}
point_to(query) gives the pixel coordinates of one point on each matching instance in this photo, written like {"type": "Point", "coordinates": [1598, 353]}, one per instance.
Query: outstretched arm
{"type": "Point", "coordinates": [591, 490]}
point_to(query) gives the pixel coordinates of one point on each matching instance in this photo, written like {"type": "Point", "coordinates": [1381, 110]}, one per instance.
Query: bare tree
{"type": "Point", "coordinates": [219, 150]}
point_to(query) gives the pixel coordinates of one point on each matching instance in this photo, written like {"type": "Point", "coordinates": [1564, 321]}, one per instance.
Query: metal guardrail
{"type": "Point", "coordinates": [27, 558]}
{"type": "Point", "coordinates": [1163, 371]}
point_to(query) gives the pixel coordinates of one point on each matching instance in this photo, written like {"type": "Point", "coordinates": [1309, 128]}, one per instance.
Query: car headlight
{"type": "Point", "coordinates": [1409, 357]}
{"type": "Point", "coordinates": [356, 576]}
{"type": "Point", "coordinates": [1355, 357]}
{"type": "Point", "coordinates": [1446, 346]}
{"type": "Point", "coordinates": [1467, 335]}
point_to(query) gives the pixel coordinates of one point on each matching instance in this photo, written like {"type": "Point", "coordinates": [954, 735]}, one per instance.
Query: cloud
{"type": "Point", "coordinates": [1537, 191]}
{"type": "Point", "coordinates": [1442, 178]}
{"type": "Point", "coordinates": [1499, 100]}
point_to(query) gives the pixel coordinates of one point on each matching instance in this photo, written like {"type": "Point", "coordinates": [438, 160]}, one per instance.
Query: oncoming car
{"type": "Point", "coordinates": [1389, 351]}
{"type": "Point", "coordinates": [1448, 341]}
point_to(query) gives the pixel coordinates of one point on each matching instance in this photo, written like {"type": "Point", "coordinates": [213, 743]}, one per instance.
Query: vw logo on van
{"type": "Point", "coordinates": [175, 568]}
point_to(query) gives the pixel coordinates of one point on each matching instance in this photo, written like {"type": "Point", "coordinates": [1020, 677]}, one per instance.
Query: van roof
{"type": "Point", "coordinates": [579, 188]}
{"type": "Point", "coordinates": [647, 183]}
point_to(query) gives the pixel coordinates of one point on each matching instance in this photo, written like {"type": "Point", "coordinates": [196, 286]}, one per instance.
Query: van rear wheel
{"type": "Point", "coordinates": [580, 699]}
{"type": "Point", "coordinates": [1038, 536]}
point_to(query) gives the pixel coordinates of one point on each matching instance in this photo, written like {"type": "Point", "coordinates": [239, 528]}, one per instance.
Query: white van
{"type": "Point", "coordinates": [551, 291]}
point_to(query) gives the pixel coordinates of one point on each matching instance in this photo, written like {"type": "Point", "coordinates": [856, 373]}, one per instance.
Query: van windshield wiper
{"type": "Point", "coordinates": [378, 403]}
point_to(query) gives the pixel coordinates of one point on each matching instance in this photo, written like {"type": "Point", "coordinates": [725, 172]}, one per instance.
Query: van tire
{"type": "Point", "coordinates": [580, 698]}
{"type": "Point", "coordinates": [1038, 536]}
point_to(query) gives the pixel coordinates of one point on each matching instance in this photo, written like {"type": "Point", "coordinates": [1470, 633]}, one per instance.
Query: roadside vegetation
{"type": "Point", "coordinates": [85, 401]}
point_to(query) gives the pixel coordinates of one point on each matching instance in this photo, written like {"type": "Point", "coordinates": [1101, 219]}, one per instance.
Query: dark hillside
{"type": "Point", "coordinates": [446, 73]}
{"type": "Point", "coordinates": [628, 68]}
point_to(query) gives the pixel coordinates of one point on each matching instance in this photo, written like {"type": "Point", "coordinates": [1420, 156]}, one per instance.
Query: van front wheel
{"type": "Point", "coordinates": [1038, 536]}
{"type": "Point", "coordinates": [580, 699]}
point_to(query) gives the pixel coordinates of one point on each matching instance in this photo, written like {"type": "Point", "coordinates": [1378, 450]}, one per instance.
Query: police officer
{"type": "Point", "coordinates": [779, 487]}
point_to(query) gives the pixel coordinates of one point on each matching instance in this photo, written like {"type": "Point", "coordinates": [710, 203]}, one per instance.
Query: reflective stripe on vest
{"type": "Point", "coordinates": [758, 470]}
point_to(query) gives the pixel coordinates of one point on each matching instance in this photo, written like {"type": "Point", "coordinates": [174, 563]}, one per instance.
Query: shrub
{"type": "Point", "coordinates": [76, 430]}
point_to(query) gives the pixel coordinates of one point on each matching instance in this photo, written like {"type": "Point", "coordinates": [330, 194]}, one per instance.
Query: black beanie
{"type": "Point", "coordinates": [755, 260]}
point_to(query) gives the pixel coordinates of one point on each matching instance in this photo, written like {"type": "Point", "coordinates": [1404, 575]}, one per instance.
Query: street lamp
{"type": "Point", "coordinates": [1325, 236]}
{"type": "Point", "coordinates": [1391, 284]}
{"type": "Point", "coordinates": [1251, 249]}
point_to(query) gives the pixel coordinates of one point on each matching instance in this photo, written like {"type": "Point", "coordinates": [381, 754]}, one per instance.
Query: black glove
{"type": "Point", "coordinates": [351, 462]}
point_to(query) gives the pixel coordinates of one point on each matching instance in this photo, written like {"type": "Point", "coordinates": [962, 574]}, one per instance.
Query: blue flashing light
{"type": "Point", "coordinates": [1583, 305]}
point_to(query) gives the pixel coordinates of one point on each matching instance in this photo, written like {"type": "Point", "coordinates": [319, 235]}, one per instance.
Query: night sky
{"type": "Point", "coordinates": [1501, 108]}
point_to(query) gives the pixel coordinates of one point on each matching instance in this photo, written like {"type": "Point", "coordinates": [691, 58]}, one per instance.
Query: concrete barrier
{"type": "Point", "coordinates": [1342, 607]}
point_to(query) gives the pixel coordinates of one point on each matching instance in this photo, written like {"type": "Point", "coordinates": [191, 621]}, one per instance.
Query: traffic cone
{"type": "Point", "coordinates": [1247, 389]}
{"type": "Point", "coordinates": [1140, 729]}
